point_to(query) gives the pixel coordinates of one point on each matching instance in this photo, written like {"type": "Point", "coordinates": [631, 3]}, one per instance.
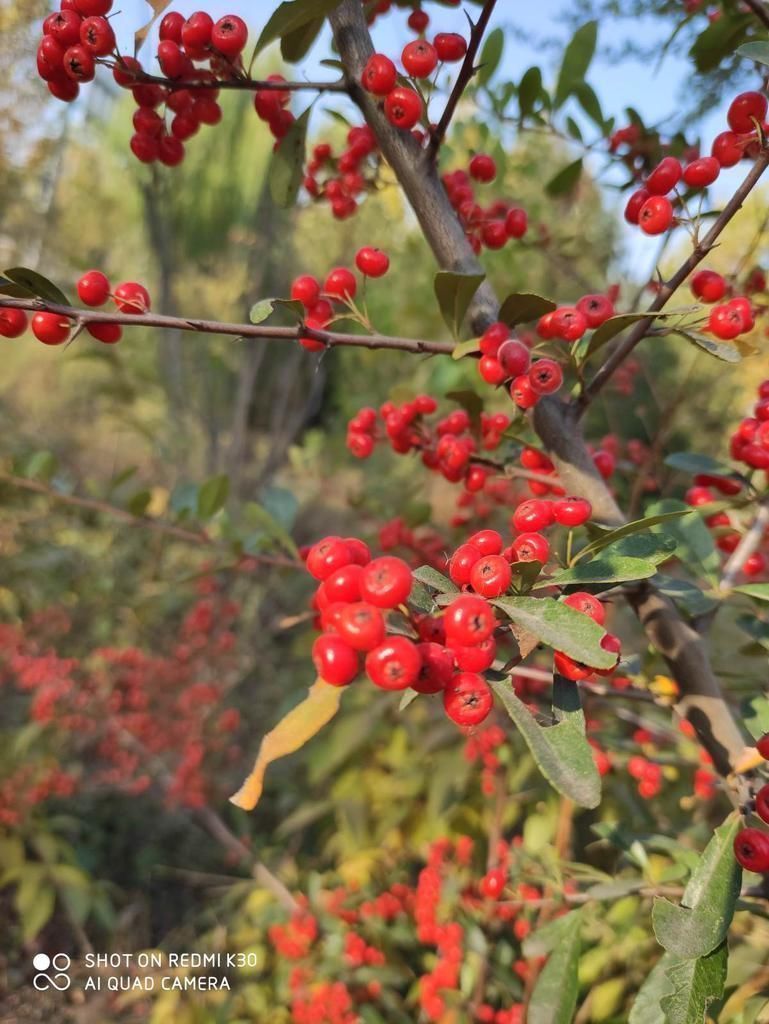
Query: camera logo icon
{"type": "Point", "coordinates": [51, 972]}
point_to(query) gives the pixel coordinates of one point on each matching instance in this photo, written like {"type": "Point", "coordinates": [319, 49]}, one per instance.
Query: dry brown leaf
{"type": "Point", "coordinates": [158, 6]}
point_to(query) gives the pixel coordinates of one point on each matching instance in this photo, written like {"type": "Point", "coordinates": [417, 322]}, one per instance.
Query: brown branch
{"type": "Point", "coordinates": [173, 323]}
{"type": "Point", "coordinates": [760, 11]}
{"type": "Point", "coordinates": [466, 73]}
{"type": "Point", "coordinates": [622, 350]}
{"type": "Point", "coordinates": [242, 83]}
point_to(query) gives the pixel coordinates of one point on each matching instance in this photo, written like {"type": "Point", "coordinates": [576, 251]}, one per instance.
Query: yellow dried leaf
{"type": "Point", "coordinates": [750, 760]}
{"type": "Point", "coordinates": [289, 735]}
{"type": "Point", "coordinates": [158, 6]}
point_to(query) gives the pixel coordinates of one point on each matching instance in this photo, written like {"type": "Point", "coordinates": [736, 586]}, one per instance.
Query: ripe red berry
{"type": "Point", "coordinates": [79, 63]}
{"type": "Point", "coordinates": [656, 215]}
{"type": "Point", "coordinates": [108, 334]}
{"type": "Point", "coordinates": [745, 110]}
{"type": "Point", "coordinates": [516, 222]}
{"type": "Point", "coordinates": [613, 645]}
{"type": "Point", "coordinates": [546, 376]}
{"type": "Point", "coordinates": [488, 542]}
{"type": "Point", "coordinates": [476, 658]}
{"type": "Point", "coordinates": [359, 550]}
{"type": "Point", "coordinates": [514, 357]}
{"type": "Point", "coordinates": [461, 564]}
{"type": "Point", "coordinates": [229, 35]}
{"type": "Point", "coordinates": [664, 177]}
{"type": "Point", "coordinates": [126, 70]}
{"type": "Point", "coordinates": [708, 286]}
{"type": "Point", "coordinates": [403, 107]}
{"type": "Point", "coordinates": [588, 605]}
{"type": "Point", "coordinates": [343, 584]}
{"type": "Point", "coordinates": [469, 620]}
{"type": "Point", "coordinates": [97, 36]}
{"type": "Point", "coordinates": [171, 27]}
{"type": "Point", "coordinates": [531, 547]}
{"type": "Point", "coordinates": [492, 338]}
{"type": "Point", "coordinates": [572, 512]}
{"type": "Point", "coordinates": [596, 309]}
{"type": "Point", "coordinates": [762, 803]}
{"type": "Point", "coordinates": [13, 323]}
{"type": "Point", "coordinates": [491, 576]}
{"type": "Point", "coordinates": [64, 26]}
{"type": "Point", "coordinates": [725, 321]}
{"type": "Point", "coordinates": [50, 59]}
{"type": "Point", "coordinates": [386, 582]}
{"type": "Point", "coordinates": [306, 289]}
{"type": "Point", "coordinates": [436, 669]}
{"type": "Point", "coordinates": [569, 668]}
{"type": "Point", "coordinates": [340, 284]}
{"type": "Point", "coordinates": [50, 328]}
{"type": "Point", "coordinates": [174, 63]}
{"type": "Point", "coordinates": [493, 883]}
{"type": "Point", "coordinates": [569, 323]}
{"type": "Point", "coordinates": [327, 556]}
{"type": "Point", "coordinates": [93, 288]}
{"type": "Point", "coordinates": [145, 148]}
{"type": "Point", "coordinates": [131, 297]}
{"type": "Point", "coordinates": [372, 262]}
{"type": "Point", "coordinates": [532, 515]}
{"type": "Point", "coordinates": [467, 699]}
{"type": "Point", "coordinates": [494, 234]}
{"type": "Point", "coordinates": [523, 393]}
{"type": "Point", "coordinates": [492, 371]}
{"type": "Point", "coordinates": [394, 664]}
{"type": "Point", "coordinates": [728, 149]}
{"type": "Point", "coordinates": [90, 8]}
{"type": "Point", "coordinates": [196, 33]}
{"type": "Point", "coordinates": [751, 848]}
{"type": "Point", "coordinates": [701, 173]}
{"type": "Point", "coordinates": [418, 20]}
{"type": "Point", "coordinates": [419, 58]}
{"type": "Point", "coordinates": [379, 75]}
{"type": "Point", "coordinates": [634, 205]}
{"type": "Point", "coordinates": [450, 46]}
{"type": "Point", "coordinates": [362, 626]}
{"type": "Point", "coordinates": [334, 660]}
{"type": "Point", "coordinates": [762, 746]}
{"type": "Point", "coordinates": [483, 168]}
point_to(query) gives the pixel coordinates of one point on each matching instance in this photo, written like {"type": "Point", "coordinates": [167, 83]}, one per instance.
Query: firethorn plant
{"type": "Point", "coordinates": [512, 612]}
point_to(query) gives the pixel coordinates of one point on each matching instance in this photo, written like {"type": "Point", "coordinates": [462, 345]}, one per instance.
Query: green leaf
{"type": "Point", "coordinates": [294, 46]}
{"type": "Point", "coordinates": [760, 591]}
{"type": "Point", "coordinates": [610, 537]}
{"type": "Point", "coordinates": [755, 715]}
{"type": "Point", "coordinates": [576, 61]}
{"type": "Point", "coordinates": [696, 462]}
{"type": "Point", "coordinates": [700, 923]}
{"type": "Point", "coordinates": [560, 627]}
{"type": "Point", "coordinates": [529, 90]}
{"type": "Point", "coordinates": [465, 348]}
{"type": "Point", "coordinates": [611, 328]}
{"type": "Point", "coordinates": [757, 51]}
{"type": "Point", "coordinates": [454, 293]}
{"type": "Point", "coordinates": [561, 751]}
{"type": "Point", "coordinates": [695, 985]}
{"type": "Point", "coordinates": [696, 547]}
{"type": "Point", "coordinates": [649, 546]}
{"type": "Point", "coordinates": [688, 597]}
{"type": "Point", "coordinates": [263, 309]}
{"type": "Point", "coordinates": [718, 40]}
{"type": "Point", "coordinates": [606, 569]}
{"type": "Point", "coordinates": [589, 102]}
{"type": "Point", "coordinates": [646, 1009]}
{"type": "Point", "coordinates": [261, 517]}
{"type": "Point", "coordinates": [37, 284]}
{"type": "Point", "coordinates": [35, 903]}
{"type": "Point", "coordinates": [727, 353]}
{"type": "Point", "coordinates": [40, 466]}
{"type": "Point", "coordinates": [14, 291]}
{"type": "Point", "coordinates": [565, 181]}
{"type": "Point", "coordinates": [491, 55]}
{"type": "Point", "coordinates": [139, 502]}
{"type": "Point", "coordinates": [212, 496]}
{"type": "Point", "coordinates": [287, 164]}
{"type": "Point", "coordinates": [292, 16]}
{"type": "Point", "coordinates": [554, 998]}
{"type": "Point", "coordinates": [435, 580]}
{"type": "Point", "coordinates": [545, 939]}
{"type": "Point", "coordinates": [523, 307]}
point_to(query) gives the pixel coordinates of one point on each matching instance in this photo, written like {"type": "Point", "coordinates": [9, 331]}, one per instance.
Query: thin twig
{"type": "Point", "coordinates": [749, 544]}
{"type": "Point", "coordinates": [247, 84]}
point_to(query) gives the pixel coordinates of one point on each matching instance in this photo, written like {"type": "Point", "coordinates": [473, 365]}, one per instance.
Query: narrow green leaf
{"type": "Point", "coordinates": [757, 51]}
{"type": "Point", "coordinates": [37, 284]}
{"type": "Point", "coordinates": [523, 307]}
{"type": "Point", "coordinates": [589, 102]}
{"type": "Point", "coordinates": [263, 518]}
{"type": "Point", "coordinates": [529, 90]}
{"type": "Point", "coordinates": [545, 939]}
{"type": "Point", "coordinates": [576, 61]}
{"type": "Point", "coordinates": [560, 627]}
{"type": "Point", "coordinates": [291, 16]}
{"type": "Point", "coordinates": [465, 348]}
{"type": "Point", "coordinates": [696, 547]}
{"type": "Point", "coordinates": [491, 55]}
{"type": "Point", "coordinates": [688, 597]}
{"type": "Point", "coordinates": [40, 466]}
{"type": "Point", "coordinates": [287, 164]}
{"type": "Point", "coordinates": [610, 537]}
{"type": "Point", "coordinates": [726, 352]}
{"type": "Point", "coordinates": [700, 923]}
{"type": "Point", "coordinates": [696, 462]}
{"type": "Point", "coordinates": [606, 569]}
{"type": "Point", "coordinates": [435, 580]}
{"type": "Point", "coordinates": [454, 293]}
{"type": "Point", "coordinates": [295, 45]}
{"type": "Point", "coordinates": [212, 496]}
{"type": "Point", "coordinates": [554, 998]}
{"type": "Point", "coordinates": [646, 1008]}
{"type": "Point", "coordinates": [561, 751]}
{"type": "Point", "coordinates": [695, 985]}
{"type": "Point", "coordinates": [653, 547]}
{"type": "Point", "coordinates": [565, 181]}
{"type": "Point", "coordinates": [760, 591]}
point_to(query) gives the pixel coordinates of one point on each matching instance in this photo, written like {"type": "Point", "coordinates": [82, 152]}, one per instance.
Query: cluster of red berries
{"type": "Point", "coordinates": [483, 747]}
{"type": "Point", "coordinates": [505, 359]}
{"type": "Point", "coordinates": [649, 206]}
{"type": "Point", "coordinates": [30, 784]}
{"type": "Point", "coordinates": [569, 323]}
{"type": "Point", "coordinates": [492, 226]}
{"type": "Point", "coordinates": [727, 320]}
{"type": "Point", "coordinates": [751, 845]}
{"type": "Point", "coordinates": [340, 286]}
{"type": "Point", "coordinates": [342, 179]}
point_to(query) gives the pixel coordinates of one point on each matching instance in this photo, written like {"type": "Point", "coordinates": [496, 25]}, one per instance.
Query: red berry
{"type": "Point", "coordinates": [516, 222]}
{"type": "Point", "coordinates": [762, 803]}
{"type": "Point", "coordinates": [343, 584]}
{"type": "Point", "coordinates": [174, 63]}
{"type": "Point", "coordinates": [727, 148]}
{"type": "Point", "coordinates": [403, 107]}
{"type": "Point", "coordinates": [708, 286]}
{"type": "Point", "coordinates": [656, 215]}
{"type": "Point", "coordinates": [533, 515]}
{"type": "Point", "coordinates": [419, 58]}
{"type": "Point", "coordinates": [701, 173]}
{"type": "Point", "coordinates": [467, 699]}
{"type": "Point", "coordinates": [492, 371]}
{"type": "Point", "coordinates": [196, 33]}
{"type": "Point", "coordinates": [569, 323]}
{"type": "Point", "coordinates": [90, 8]}
{"type": "Point", "coordinates": [50, 59]}
{"type": "Point", "coordinates": [341, 284]}
{"type": "Point", "coordinates": [494, 234]}
{"type": "Point", "coordinates": [746, 109]}
{"type": "Point", "coordinates": [634, 205]}
{"type": "Point", "coordinates": [126, 70]}
{"type": "Point", "coordinates": [462, 562]}
{"type": "Point", "coordinates": [144, 148]}
{"type": "Point", "coordinates": [436, 669]}
{"type": "Point", "coordinates": [64, 26]}
{"type": "Point", "coordinates": [418, 20]}
{"type": "Point", "coordinates": [372, 262]}
{"type": "Point", "coordinates": [546, 376]}
{"type": "Point", "coordinates": [493, 883]}
{"type": "Point", "coordinates": [483, 168]}
{"type": "Point", "coordinates": [664, 177]}
{"type": "Point", "coordinates": [50, 328]}
{"type": "Point", "coordinates": [171, 27]}
{"type": "Point", "coordinates": [476, 658]}
{"type": "Point", "coordinates": [469, 620]}
{"type": "Point", "coordinates": [531, 547]}
{"type": "Point", "coordinates": [492, 338]}
{"type": "Point", "coordinates": [596, 309]}
{"type": "Point", "coordinates": [588, 605]}
{"type": "Point", "coordinates": [97, 36]}
{"type": "Point", "coordinates": [79, 63]}
{"type": "Point", "coordinates": [108, 334]}
{"type": "Point", "coordinates": [751, 848]}
{"type": "Point", "coordinates": [514, 357]}
{"type": "Point", "coordinates": [726, 322]}
{"type": "Point", "coordinates": [362, 626]}
{"type": "Point", "coordinates": [569, 668]}
{"type": "Point", "coordinates": [327, 556]}
{"type": "Point", "coordinates": [488, 542]}
{"type": "Point", "coordinates": [306, 289]}
{"type": "Point", "coordinates": [610, 643]}
{"type": "Point", "coordinates": [491, 576]}
{"type": "Point", "coordinates": [572, 512]}
{"type": "Point", "coordinates": [359, 550]}
{"type": "Point", "coordinates": [93, 288]}
{"type": "Point", "coordinates": [386, 582]}
{"type": "Point", "coordinates": [762, 746]}
{"type": "Point", "coordinates": [229, 35]}
{"type": "Point", "coordinates": [450, 46]}
{"type": "Point", "coordinates": [148, 122]}
{"type": "Point", "coordinates": [394, 664]}
{"type": "Point", "coordinates": [379, 75]}
{"type": "Point", "coordinates": [13, 322]}
{"type": "Point", "coordinates": [131, 297]}
{"type": "Point", "coordinates": [523, 393]}
{"type": "Point", "coordinates": [334, 660]}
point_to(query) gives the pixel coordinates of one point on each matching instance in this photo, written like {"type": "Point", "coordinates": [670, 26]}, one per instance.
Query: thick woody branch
{"type": "Point", "coordinates": [623, 349]}
{"type": "Point", "coordinates": [702, 701]}
{"type": "Point", "coordinates": [83, 317]}
{"type": "Point", "coordinates": [466, 73]}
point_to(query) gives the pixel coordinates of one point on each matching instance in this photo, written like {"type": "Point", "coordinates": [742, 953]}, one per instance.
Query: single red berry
{"type": "Point", "coordinates": [467, 699]}
{"type": "Point", "coordinates": [107, 334]}
{"type": "Point", "coordinates": [488, 542]}
{"type": "Point", "coordinates": [403, 107]}
{"type": "Point", "coordinates": [572, 512]}
{"type": "Point", "coordinates": [701, 173]}
{"type": "Point", "coordinates": [491, 576]}
{"type": "Point", "coordinates": [604, 462]}
{"type": "Point", "coordinates": [207, 111]}
{"type": "Point", "coordinates": [494, 234]}
{"type": "Point", "coordinates": [171, 27]}
{"type": "Point", "coordinates": [13, 322]}
{"type": "Point", "coordinates": [340, 284]}
{"type": "Point", "coordinates": [79, 63]}
{"type": "Point", "coordinates": [613, 645]}
{"type": "Point", "coordinates": [131, 297]}
{"type": "Point", "coordinates": [514, 357]}
{"type": "Point", "coordinates": [751, 848]}
{"type": "Point", "coordinates": [569, 323]}
{"type": "Point", "coordinates": [588, 605]}
{"type": "Point", "coordinates": [196, 33]}
{"type": "Point", "coordinates": [359, 550]}
{"type": "Point", "coordinates": [91, 8]}
{"type": "Point", "coordinates": [546, 376]}
{"type": "Point", "coordinates": [327, 556]}
{"type": "Point", "coordinates": [523, 393]}
{"type": "Point", "coordinates": [334, 660]}
{"type": "Point", "coordinates": [664, 177]}
{"type": "Point", "coordinates": [64, 26]}
{"type": "Point", "coordinates": [762, 746]}
{"type": "Point", "coordinates": [343, 584]}
{"type": "Point", "coordinates": [126, 70]}
{"type": "Point", "coordinates": [596, 309]}
{"type": "Point", "coordinates": [476, 658]}
{"type": "Point", "coordinates": [569, 668]}
{"type": "Point", "coordinates": [762, 803]}
{"type": "Point", "coordinates": [469, 620]}
{"type": "Point", "coordinates": [531, 547]}
{"type": "Point", "coordinates": [93, 288]}
{"type": "Point", "coordinates": [184, 126]}
{"type": "Point", "coordinates": [306, 289]}
{"type": "Point", "coordinates": [483, 168]}
{"type": "Point", "coordinates": [173, 61]}
{"type": "Point", "coordinates": [170, 151]}
{"type": "Point", "coordinates": [419, 58]}
{"type": "Point", "coordinates": [50, 59]}
{"type": "Point", "coordinates": [745, 110]}
{"type": "Point", "coordinates": [728, 149]}
{"type": "Point", "coordinates": [516, 222]}
{"type": "Point", "coordinates": [461, 563]}
{"type": "Point", "coordinates": [372, 262]}
{"type": "Point", "coordinates": [634, 205]}
{"type": "Point", "coordinates": [361, 446]}
{"type": "Point", "coordinates": [436, 669]}
{"type": "Point", "coordinates": [532, 515]}
{"type": "Point", "coordinates": [708, 286]}
{"type": "Point", "coordinates": [148, 122]}
{"type": "Point", "coordinates": [394, 664]}
{"type": "Point", "coordinates": [97, 36]}
{"type": "Point", "coordinates": [386, 582]}
{"type": "Point", "coordinates": [656, 215]}
{"type": "Point", "coordinates": [50, 328]}
{"type": "Point", "coordinates": [493, 337]}
{"type": "Point", "coordinates": [450, 46]}
{"type": "Point", "coordinates": [362, 626]}
{"type": "Point", "coordinates": [379, 75]}
{"type": "Point", "coordinates": [492, 371]}
{"type": "Point", "coordinates": [145, 148]}
{"type": "Point", "coordinates": [418, 20]}
{"type": "Point", "coordinates": [493, 884]}
{"type": "Point", "coordinates": [229, 35]}
{"type": "Point", "coordinates": [726, 322]}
